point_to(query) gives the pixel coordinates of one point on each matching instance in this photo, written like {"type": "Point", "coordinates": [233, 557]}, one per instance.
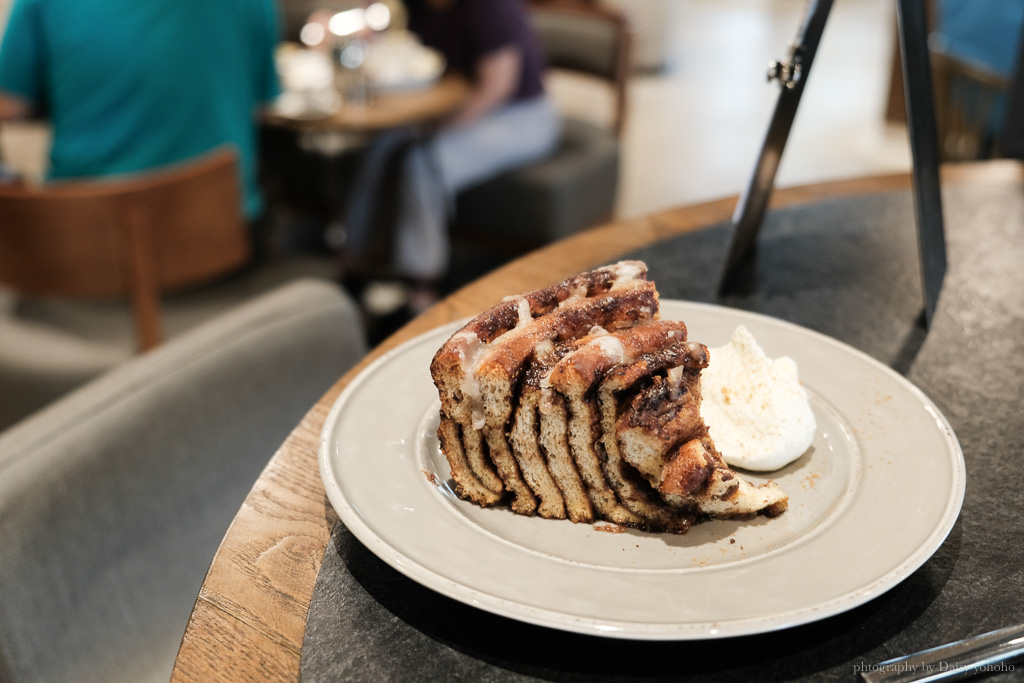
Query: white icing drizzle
{"type": "Point", "coordinates": [675, 382]}
{"type": "Point", "coordinates": [611, 347]}
{"type": "Point", "coordinates": [577, 293]}
{"type": "Point", "coordinates": [626, 273]}
{"type": "Point", "coordinates": [545, 380]}
{"type": "Point", "coordinates": [694, 350]}
{"type": "Point", "coordinates": [544, 349]}
{"type": "Point", "coordinates": [470, 351]}
{"type": "Point", "coordinates": [523, 306]}
{"type": "Point", "coordinates": [675, 377]}
{"type": "Point", "coordinates": [597, 331]}
{"type": "Point", "coordinates": [468, 347]}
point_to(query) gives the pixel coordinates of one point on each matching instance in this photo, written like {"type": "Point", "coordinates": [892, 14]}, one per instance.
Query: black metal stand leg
{"type": "Point", "coordinates": [792, 76]}
{"type": "Point", "coordinates": [750, 209]}
{"type": "Point", "coordinates": [924, 147]}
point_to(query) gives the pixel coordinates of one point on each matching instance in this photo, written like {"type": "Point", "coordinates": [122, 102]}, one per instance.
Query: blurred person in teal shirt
{"type": "Point", "coordinates": [131, 85]}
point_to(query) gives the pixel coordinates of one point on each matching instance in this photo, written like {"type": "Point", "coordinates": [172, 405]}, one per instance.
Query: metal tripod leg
{"type": "Point", "coordinates": [792, 76]}
{"type": "Point", "coordinates": [924, 147]}
{"type": "Point", "coordinates": [750, 209]}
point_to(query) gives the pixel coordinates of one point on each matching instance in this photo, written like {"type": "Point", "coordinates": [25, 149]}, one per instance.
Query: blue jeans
{"type": "Point", "coordinates": [434, 169]}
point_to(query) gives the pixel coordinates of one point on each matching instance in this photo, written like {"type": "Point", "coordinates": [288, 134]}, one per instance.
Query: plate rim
{"type": "Point", "coordinates": [633, 630]}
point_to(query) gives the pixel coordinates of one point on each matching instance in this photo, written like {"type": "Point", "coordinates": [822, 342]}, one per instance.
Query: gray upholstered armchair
{"type": "Point", "coordinates": [577, 185]}
{"type": "Point", "coordinates": [114, 499]}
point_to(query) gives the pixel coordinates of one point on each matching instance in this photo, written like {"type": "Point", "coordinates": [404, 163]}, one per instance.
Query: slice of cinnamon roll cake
{"type": "Point", "coordinates": [577, 402]}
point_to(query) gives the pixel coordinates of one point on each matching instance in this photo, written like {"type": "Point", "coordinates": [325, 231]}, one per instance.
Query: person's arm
{"type": "Point", "coordinates": [497, 77]}
{"type": "Point", "coordinates": [13, 107]}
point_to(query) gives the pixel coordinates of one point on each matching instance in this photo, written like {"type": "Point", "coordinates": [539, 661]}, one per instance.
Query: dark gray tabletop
{"type": "Point", "coordinates": [847, 268]}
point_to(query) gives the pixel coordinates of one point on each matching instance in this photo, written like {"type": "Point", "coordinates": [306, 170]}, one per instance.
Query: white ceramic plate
{"type": "Point", "coordinates": [871, 500]}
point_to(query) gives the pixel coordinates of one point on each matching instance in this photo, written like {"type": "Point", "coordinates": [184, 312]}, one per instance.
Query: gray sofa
{"type": "Point", "coordinates": [113, 499]}
{"type": "Point", "coordinates": [49, 346]}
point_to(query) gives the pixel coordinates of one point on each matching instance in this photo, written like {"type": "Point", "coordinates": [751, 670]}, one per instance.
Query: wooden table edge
{"type": "Point", "coordinates": [249, 618]}
{"type": "Point", "coordinates": [417, 106]}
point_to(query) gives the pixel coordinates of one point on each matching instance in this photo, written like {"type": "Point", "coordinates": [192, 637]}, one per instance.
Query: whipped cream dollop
{"type": "Point", "coordinates": [754, 406]}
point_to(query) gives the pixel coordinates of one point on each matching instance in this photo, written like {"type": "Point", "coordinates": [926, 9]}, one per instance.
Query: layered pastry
{"type": "Point", "coordinates": [577, 402]}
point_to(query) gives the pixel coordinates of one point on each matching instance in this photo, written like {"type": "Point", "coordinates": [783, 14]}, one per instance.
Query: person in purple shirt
{"type": "Point", "coordinates": [490, 42]}
{"type": "Point", "coordinates": [507, 121]}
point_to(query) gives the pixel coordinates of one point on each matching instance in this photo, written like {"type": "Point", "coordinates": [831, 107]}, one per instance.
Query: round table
{"type": "Point", "coordinates": [250, 618]}
{"type": "Point", "coordinates": [384, 110]}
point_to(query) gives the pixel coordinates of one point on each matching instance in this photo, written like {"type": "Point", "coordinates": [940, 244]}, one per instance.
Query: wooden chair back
{"type": "Point", "coordinates": [587, 38]}
{"type": "Point", "coordinates": [1012, 135]}
{"type": "Point", "coordinates": [135, 238]}
{"type": "Point", "coordinates": [967, 96]}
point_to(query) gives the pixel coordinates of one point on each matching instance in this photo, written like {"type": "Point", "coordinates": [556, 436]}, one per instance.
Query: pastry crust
{"type": "Point", "coordinates": [662, 435]}
{"type": "Point", "coordinates": [576, 402]}
{"type": "Point", "coordinates": [477, 371]}
{"type": "Point", "coordinates": [617, 493]}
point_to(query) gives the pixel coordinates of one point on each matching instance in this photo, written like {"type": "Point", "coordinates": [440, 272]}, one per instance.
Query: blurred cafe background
{"type": "Point", "coordinates": [660, 103]}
